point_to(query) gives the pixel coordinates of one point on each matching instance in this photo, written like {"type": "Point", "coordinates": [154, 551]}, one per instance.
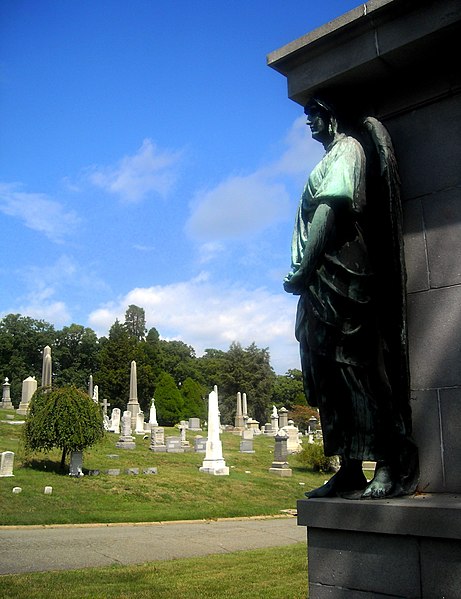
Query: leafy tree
{"type": "Point", "coordinates": [194, 403]}
{"type": "Point", "coordinates": [246, 370]}
{"type": "Point", "coordinates": [179, 360]}
{"type": "Point", "coordinates": [115, 356]}
{"type": "Point", "coordinates": [168, 401]}
{"type": "Point", "coordinates": [135, 322]}
{"type": "Point", "coordinates": [66, 418]}
{"type": "Point", "coordinates": [75, 355]}
{"type": "Point", "coordinates": [301, 415]}
{"type": "Point", "coordinates": [22, 340]}
{"type": "Point", "coordinates": [288, 390]}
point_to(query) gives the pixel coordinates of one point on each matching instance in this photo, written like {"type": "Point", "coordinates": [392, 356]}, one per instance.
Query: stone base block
{"type": "Point", "coordinates": [158, 448]}
{"type": "Point", "coordinates": [406, 547]}
{"type": "Point", "coordinates": [224, 471]}
{"type": "Point", "coordinates": [281, 471]}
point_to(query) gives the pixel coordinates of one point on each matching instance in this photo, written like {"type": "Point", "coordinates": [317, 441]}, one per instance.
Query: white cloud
{"type": "Point", "coordinates": [205, 315]}
{"type": "Point", "coordinates": [37, 211]}
{"type": "Point", "coordinates": [237, 206]}
{"type": "Point", "coordinates": [53, 312]}
{"type": "Point", "coordinates": [251, 203]}
{"type": "Point", "coordinates": [45, 286]}
{"type": "Point", "coordinates": [149, 171]}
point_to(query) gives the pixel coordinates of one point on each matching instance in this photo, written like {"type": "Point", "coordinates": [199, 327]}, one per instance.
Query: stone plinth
{"type": "Point", "coordinates": [405, 547]}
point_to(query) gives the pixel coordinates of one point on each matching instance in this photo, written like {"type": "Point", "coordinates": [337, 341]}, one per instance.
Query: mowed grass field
{"type": "Point", "coordinates": [178, 492]}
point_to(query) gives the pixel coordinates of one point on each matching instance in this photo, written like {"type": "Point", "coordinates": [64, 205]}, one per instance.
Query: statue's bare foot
{"type": "Point", "coordinates": [382, 484]}
{"type": "Point", "coordinates": [343, 481]}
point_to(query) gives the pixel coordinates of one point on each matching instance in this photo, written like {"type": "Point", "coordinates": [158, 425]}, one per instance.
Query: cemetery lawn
{"type": "Point", "coordinates": [178, 492]}
{"type": "Point", "coordinates": [269, 573]}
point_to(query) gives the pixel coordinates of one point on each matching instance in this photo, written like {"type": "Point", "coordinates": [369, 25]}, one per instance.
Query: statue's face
{"type": "Point", "coordinates": [317, 121]}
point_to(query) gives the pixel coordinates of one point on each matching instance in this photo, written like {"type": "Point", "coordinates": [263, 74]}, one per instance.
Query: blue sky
{"type": "Point", "coordinates": [149, 156]}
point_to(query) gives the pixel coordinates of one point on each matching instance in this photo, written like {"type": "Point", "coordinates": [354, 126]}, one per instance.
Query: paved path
{"type": "Point", "coordinates": [33, 549]}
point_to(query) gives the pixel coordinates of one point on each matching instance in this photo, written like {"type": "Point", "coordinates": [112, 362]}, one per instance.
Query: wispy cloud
{"type": "Point", "coordinates": [253, 202]}
{"type": "Point", "coordinates": [150, 171]}
{"type": "Point", "coordinates": [205, 315]}
{"type": "Point", "coordinates": [45, 286]}
{"type": "Point", "coordinates": [37, 211]}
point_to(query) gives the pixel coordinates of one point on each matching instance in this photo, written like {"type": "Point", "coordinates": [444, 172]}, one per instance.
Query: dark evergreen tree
{"type": "Point", "coordinates": [169, 401]}
{"type": "Point", "coordinates": [135, 322]}
{"type": "Point", "coordinates": [194, 395]}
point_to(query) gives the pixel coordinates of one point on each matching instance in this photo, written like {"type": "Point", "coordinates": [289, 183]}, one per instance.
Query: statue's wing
{"type": "Point", "coordinates": [392, 258]}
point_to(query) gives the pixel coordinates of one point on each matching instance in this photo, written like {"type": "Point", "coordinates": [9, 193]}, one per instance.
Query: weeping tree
{"type": "Point", "coordinates": [66, 418]}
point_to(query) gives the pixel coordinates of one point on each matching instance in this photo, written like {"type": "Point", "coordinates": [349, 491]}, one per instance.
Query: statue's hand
{"type": "Point", "coordinates": [293, 282]}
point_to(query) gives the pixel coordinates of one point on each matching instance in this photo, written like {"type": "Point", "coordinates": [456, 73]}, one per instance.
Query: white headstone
{"type": "Point", "coordinates": [48, 490]}
{"type": "Point", "coordinates": [115, 421]}
{"type": "Point", "coordinates": [140, 423]}
{"type": "Point", "coordinates": [29, 386]}
{"type": "Point", "coordinates": [6, 464]}
{"type": "Point", "coordinates": [214, 462]}
{"type": "Point", "coordinates": [153, 414]}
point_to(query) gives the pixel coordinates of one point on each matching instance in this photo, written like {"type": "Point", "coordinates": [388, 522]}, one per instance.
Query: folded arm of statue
{"type": "Point", "coordinates": [321, 227]}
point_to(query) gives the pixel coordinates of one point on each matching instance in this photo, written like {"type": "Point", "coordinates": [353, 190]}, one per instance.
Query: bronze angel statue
{"type": "Point", "coordinates": [348, 269]}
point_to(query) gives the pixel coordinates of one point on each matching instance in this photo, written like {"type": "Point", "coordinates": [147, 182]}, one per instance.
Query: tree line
{"type": "Point", "coordinates": [170, 371]}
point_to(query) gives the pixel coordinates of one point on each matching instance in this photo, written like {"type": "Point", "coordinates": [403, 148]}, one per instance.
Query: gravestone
{"type": "Point", "coordinates": [173, 445]}
{"type": "Point", "coordinates": [280, 465]}
{"type": "Point", "coordinates": [6, 464]}
{"type": "Point", "coordinates": [115, 421]}
{"type": "Point", "coordinates": [47, 367]}
{"type": "Point", "coordinates": [194, 424]}
{"type": "Point", "coordinates": [294, 443]}
{"type": "Point", "coordinates": [246, 444]}
{"type": "Point", "coordinates": [140, 423]}
{"type": "Point", "coordinates": [29, 386]}
{"type": "Point", "coordinates": [182, 429]}
{"type": "Point", "coordinates": [133, 403]}
{"type": "Point", "coordinates": [157, 439]}
{"type": "Point", "coordinates": [213, 462]}
{"type": "Point", "coordinates": [153, 414]}
{"type": "Point", "coordinates": [76, 464]}
{"type": "Point", "coordinates": [6, 399]}
{"type": "Point", "coordinates": [239, 421]}
{"type": "Point", "coordinates": [254, 426]}
{"type": "Point", "coordinates": [274, 421]}
{"type": "Point", "coordinates": [283, 417]}
{"type": "Point", "coordinates": [244, 406]}
{"type": "Point", "coordinates": [200, 444]}
{"type": "Point", "coordinates": [126, 441]}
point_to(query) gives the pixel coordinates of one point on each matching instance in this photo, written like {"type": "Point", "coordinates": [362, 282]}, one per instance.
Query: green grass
{"type": "Point", "coordinates": [269, 573]}
{"type": "Point", "coordinates": [178, 492]}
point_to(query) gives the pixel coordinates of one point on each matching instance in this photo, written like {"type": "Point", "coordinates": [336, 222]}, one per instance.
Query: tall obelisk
{"type": "Point", "coordinates": [214, 462]}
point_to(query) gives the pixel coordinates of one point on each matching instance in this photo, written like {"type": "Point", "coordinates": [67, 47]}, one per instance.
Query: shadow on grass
{"type": "Point", "coordinates": [46, 465]}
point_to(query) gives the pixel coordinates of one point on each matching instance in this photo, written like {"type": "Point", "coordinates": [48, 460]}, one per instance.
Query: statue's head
{"type": "Point", "coordinates": [322, 120]}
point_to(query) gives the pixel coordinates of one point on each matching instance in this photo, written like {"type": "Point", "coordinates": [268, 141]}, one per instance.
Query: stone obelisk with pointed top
{"type": "Point", "coordinates": [214, 462]}
{"type": "Point", "coordinates": [46, 367]}
{"type": "Point", "coordinates": [133, 404]}
{"type": "Point", "coordinates": [239, 421]}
